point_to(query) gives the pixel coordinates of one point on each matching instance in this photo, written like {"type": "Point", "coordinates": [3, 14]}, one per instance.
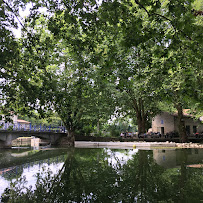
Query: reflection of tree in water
{"type": "Point", "coordinates": [91, 178]}
{"type": "Point", "coordinates": [186, 182]}
{"type": "Point", "coordinates": [13, 173]}
{"type": "Point", "coordinates": [87, 176]}
{"type": "Point", "coordinates": [142, 177]}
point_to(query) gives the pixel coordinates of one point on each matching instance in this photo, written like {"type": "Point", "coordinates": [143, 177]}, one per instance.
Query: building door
{"type": "Point", "coordinates": [162, 130]}
{"type": "Point", "coordinates": [187, 129]}
{"type": "Point", "coordinates": [194, 129]}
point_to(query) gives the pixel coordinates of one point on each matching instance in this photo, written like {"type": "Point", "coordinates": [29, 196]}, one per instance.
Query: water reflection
{"type": "Point", "coordinates": [110, 175]}
{"type": "Point", "coordinates": [173, 158]}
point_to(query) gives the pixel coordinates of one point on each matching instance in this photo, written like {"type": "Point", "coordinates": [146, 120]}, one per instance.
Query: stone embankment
{"type": "Point", "coordinates": [189, 145]}
{"type": "Point", "coordinates": [139, 145]}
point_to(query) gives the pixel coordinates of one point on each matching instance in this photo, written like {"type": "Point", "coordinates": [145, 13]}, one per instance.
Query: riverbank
{"type": "Point", "coordinates": [191, 139]}
{"type": "Point", "coordinates": [133, 145]}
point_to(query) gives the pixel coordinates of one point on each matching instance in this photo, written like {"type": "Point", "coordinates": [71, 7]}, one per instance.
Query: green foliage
{"type": "Point", "coordinates": [166, 107]}
{"type": "Point", "coordinates": [114, 131]}
{"type": "Point", "coordinates": [198, 5]}
{"type": "Point", "coordinates": [119, 125]}
{"type": "Point", "coordinates": [53, 120]}
{"type": "Point", "coordinates": [87, 60]}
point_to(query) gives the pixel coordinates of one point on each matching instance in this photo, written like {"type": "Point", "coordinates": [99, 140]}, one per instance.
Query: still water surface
{"type": "Point", "coordinates": [101, 175]}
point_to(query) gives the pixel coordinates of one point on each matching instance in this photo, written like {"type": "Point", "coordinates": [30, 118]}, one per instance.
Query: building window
{"type": "Point", "coordinates": [194, 129]}
{"type": "Point", "coordinates": [189, 151]}
{"type": "Point", "coordinates": [162, 121]}
{"type": "Point", "coordinates": [196, 151]}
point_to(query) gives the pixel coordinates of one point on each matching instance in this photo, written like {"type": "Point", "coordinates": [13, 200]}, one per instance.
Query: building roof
{"type": "Point", "coordinates": [187, 113]}
{"type": "Point", "coordinates": [23, 121]}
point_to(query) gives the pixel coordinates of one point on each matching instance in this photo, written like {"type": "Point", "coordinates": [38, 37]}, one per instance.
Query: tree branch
{"type": "Point", "coordinates": [15, 15]}
{"type": "Point", "coordinates": [142, 7]}
{"type": "Point", "coordinates": [168, 19]}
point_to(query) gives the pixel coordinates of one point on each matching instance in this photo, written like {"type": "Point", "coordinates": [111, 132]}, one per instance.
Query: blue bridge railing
{"type": "Point", "coordinates": [30, 127]}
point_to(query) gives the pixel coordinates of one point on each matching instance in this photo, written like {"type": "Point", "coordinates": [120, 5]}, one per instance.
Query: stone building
{"type": "Point", "coordinates": [14, 119]}
{"type": "Point", "coordinates": [17, 123]}
{"type": "Point", "coordinates": [167, 122]}
{"type": "Point", "coordinates": [23, 124]}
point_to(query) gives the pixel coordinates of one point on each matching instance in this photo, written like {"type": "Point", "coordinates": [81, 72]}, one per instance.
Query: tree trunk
{"type": "Point", "coordinates": [71, 138]}
{"type": "Point", "coordinates": [98, 126]}
{"type": "Point", "coordinates": [181, 124]}
{"type": "Point", "coordinates": [139, 123]}
{"type": "Point", "coordinates": [183, 176]}
{"type": "Point", "coordinates": [67, 141]}
{"type": "Point", "coordinates": [143, 117]}
{"type": "Point", "coordinates": [143, 126]}
{"type": "Point", "coordinates": [140, 114]}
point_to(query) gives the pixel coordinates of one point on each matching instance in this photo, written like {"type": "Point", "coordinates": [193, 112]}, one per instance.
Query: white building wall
{"type": "Point", "coordinates": [165, 158]}
{"type": "Point", "coordinates": [163, 120]}
{"type": "Point", "coordinates": [170, 123]}
{"type": "Point", "coordinates": [171, 158]}
{"type": "Point", "coordinates": [15, 118]}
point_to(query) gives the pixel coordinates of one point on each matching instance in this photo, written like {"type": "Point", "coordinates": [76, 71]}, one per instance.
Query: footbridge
{"type": "Point", "coordinates": [51, 134]}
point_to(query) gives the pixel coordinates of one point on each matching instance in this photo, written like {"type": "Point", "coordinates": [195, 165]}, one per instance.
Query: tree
{"type": "Point", "coordinates": [9, 56]}
{"type": "Point", "coordinates": [172, 50]}
{"type": "Point", "coordinates": [87, 52]}
{"type": "Point", "coordinates": [64, 79]}
{"type": "Point", "coordinates": [182, 84]}
{"type": "Point", "coordinates": [138, 83]}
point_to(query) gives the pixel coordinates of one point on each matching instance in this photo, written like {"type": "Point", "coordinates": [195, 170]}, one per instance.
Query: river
{"type": "Point", "coordinates": [101, 175]}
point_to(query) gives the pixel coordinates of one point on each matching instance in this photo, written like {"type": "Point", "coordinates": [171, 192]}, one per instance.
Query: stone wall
{"type": "Point", "coordinates": [163, 120]}
{"type": "Point", "coordinates": [170, 123]}
{"type": "Point", "coordinates": [191, 123]}
{"type": "Point", "coordinates": [98, 139]}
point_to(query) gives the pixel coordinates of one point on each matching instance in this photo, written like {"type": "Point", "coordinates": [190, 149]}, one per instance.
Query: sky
{"type": "Point", "coordinates": [23, 14]}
